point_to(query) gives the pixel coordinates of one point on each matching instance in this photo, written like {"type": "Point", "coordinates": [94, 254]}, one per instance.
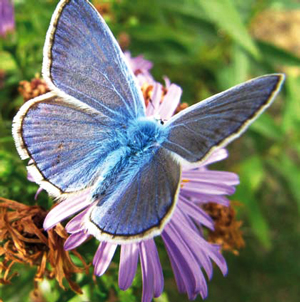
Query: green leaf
{"type": "Point", "coordinates": [277, 56]}
{"type": "Point", "coordinates": [237, 72]}
{"type": "Point", "coordinates": [251, 176]}
{"type": "Point", "coordinates": [190, 8]}
{"type": "Point", "coordinates": [252, 173]}
{"type": "Point", "coordinates": [291, 172]}
{"type": "Point", "coordinates": [7, 62]}
{"type": "Point", "coordinates": [291, 114]}
{"type": "Point", "coordinates": [224, 14]}
{"type": "Point", "coordinates": [267, 127]}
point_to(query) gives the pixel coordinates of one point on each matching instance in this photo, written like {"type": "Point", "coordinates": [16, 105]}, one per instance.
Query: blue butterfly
{"type": "Point", "coordinates": [91, 131]}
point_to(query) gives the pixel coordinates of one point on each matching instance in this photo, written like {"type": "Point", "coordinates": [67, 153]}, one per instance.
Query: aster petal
{"type": "Point", "coordinates": [216, 156]}
{"type": "Point", "coordinates": [7, 20]}
{"type": "Point", "coordinates": [153, 257]}
{"type": "Point", "coordinates": [142, 63]}
{"type": "Point", "coordinates": [147, 274]}
{"type": "Point", "coordinates": [103, 257]}
{"type": "Point", "coordinates": [220, 177]}
{"type": "Point", "coordinates": [195, 212]}
{"type": "Point", "coordinates": [167, 82]}
{"type": "Point", "coordinates": [75, 240]}
{"type": "Point", "coordinates": [65, 209]}
{"type": "Point", "coordinates": [186, 263]}
{"type": "Point", "coordinates": [196, 242]}
{"type": "Point", "coordinates": [207, 188]}
{"type": "Point", "coordinates": [39, 190]}
{"type": "Point", "coordinates": [128, 264]}
{"type": "Point", "coordinates": [176, 269]}
{"type": "Point", "coordinates": [153, 106]}
{"type": "Point", "coordinates": [30, 178]}
{"type": "Point", "coordinates": [138, 62]}
{"type": "Point", "coordinates": [180, 221]}
{"type": "Point", "coordinates": [76, 223]}
{"type": "Point", "coordinates": [205, 198]}
{"type": "Point", "coordinates": [170, 103]}
{"type": "Point", "coordinates": [145, 78]}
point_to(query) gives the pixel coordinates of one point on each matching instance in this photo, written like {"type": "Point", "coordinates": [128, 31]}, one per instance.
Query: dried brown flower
{"type": "Point", "coordinates": [227, 231]}
{"type": "Point", "coordinates": [104, 9]}
{"type": "Point", "coordinates": [181, 107]}
{"type": "Point", "coordinates": [22, 240]}
{"type": "Point", "coordinates": [32, 89]}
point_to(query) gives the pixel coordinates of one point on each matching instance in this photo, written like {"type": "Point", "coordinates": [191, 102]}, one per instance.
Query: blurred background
{"type": "Point", "coordinates": [204, 47]}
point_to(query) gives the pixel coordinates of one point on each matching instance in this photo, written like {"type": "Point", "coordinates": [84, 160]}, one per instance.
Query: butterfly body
{"type": "Point", "coordinates": [136, 144]}
{"type": "Point", "coordinates": [91, 132]}
{"type": "Point", "coordinates": [144, 134]}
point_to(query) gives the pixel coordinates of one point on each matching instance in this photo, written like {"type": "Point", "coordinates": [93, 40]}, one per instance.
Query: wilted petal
{"type": "Point", "coordinates": [103, 257]}
{"type": "Point", "coordinates": [128, 264]}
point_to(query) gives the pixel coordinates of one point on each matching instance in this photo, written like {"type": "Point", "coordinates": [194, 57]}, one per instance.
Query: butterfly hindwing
{"type": "Point", "coordinates": [83, 60]}
{"type": "Point", "coordinates": [195, 132]}
{"type": "Point", "coordinates": [67, 144]}
{"type": "Point", "coordinates": [141, 199]}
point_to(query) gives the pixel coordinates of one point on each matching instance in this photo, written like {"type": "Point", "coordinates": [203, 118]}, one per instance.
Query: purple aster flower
{"type": "Point", "coordinates": [189, 253]}
{"type": "Point", "coordinates": [140, 68]}
{"type": "Point", "coordinates": [7, 18]}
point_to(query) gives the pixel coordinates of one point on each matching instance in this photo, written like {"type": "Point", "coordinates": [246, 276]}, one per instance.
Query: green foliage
{"type": "Point", "coordinates": [205, 47]}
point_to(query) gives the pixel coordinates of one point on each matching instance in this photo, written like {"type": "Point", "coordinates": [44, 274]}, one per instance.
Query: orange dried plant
{"type": "Point", "coordinates": [32, 89]}
{"type": "Point", "coordinates": [227, 230]}
{"type": "Point", "coordinates": [22, 240]}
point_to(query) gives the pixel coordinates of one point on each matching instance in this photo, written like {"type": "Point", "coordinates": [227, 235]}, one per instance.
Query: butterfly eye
{"type": "Point", "coordinates": [161, 122]}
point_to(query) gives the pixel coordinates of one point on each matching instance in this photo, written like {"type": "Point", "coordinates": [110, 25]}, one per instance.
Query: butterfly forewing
{"type": "Point", "coordinates": [83, 59]}
{"type": "Point", "coordinates": [197, 131]}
